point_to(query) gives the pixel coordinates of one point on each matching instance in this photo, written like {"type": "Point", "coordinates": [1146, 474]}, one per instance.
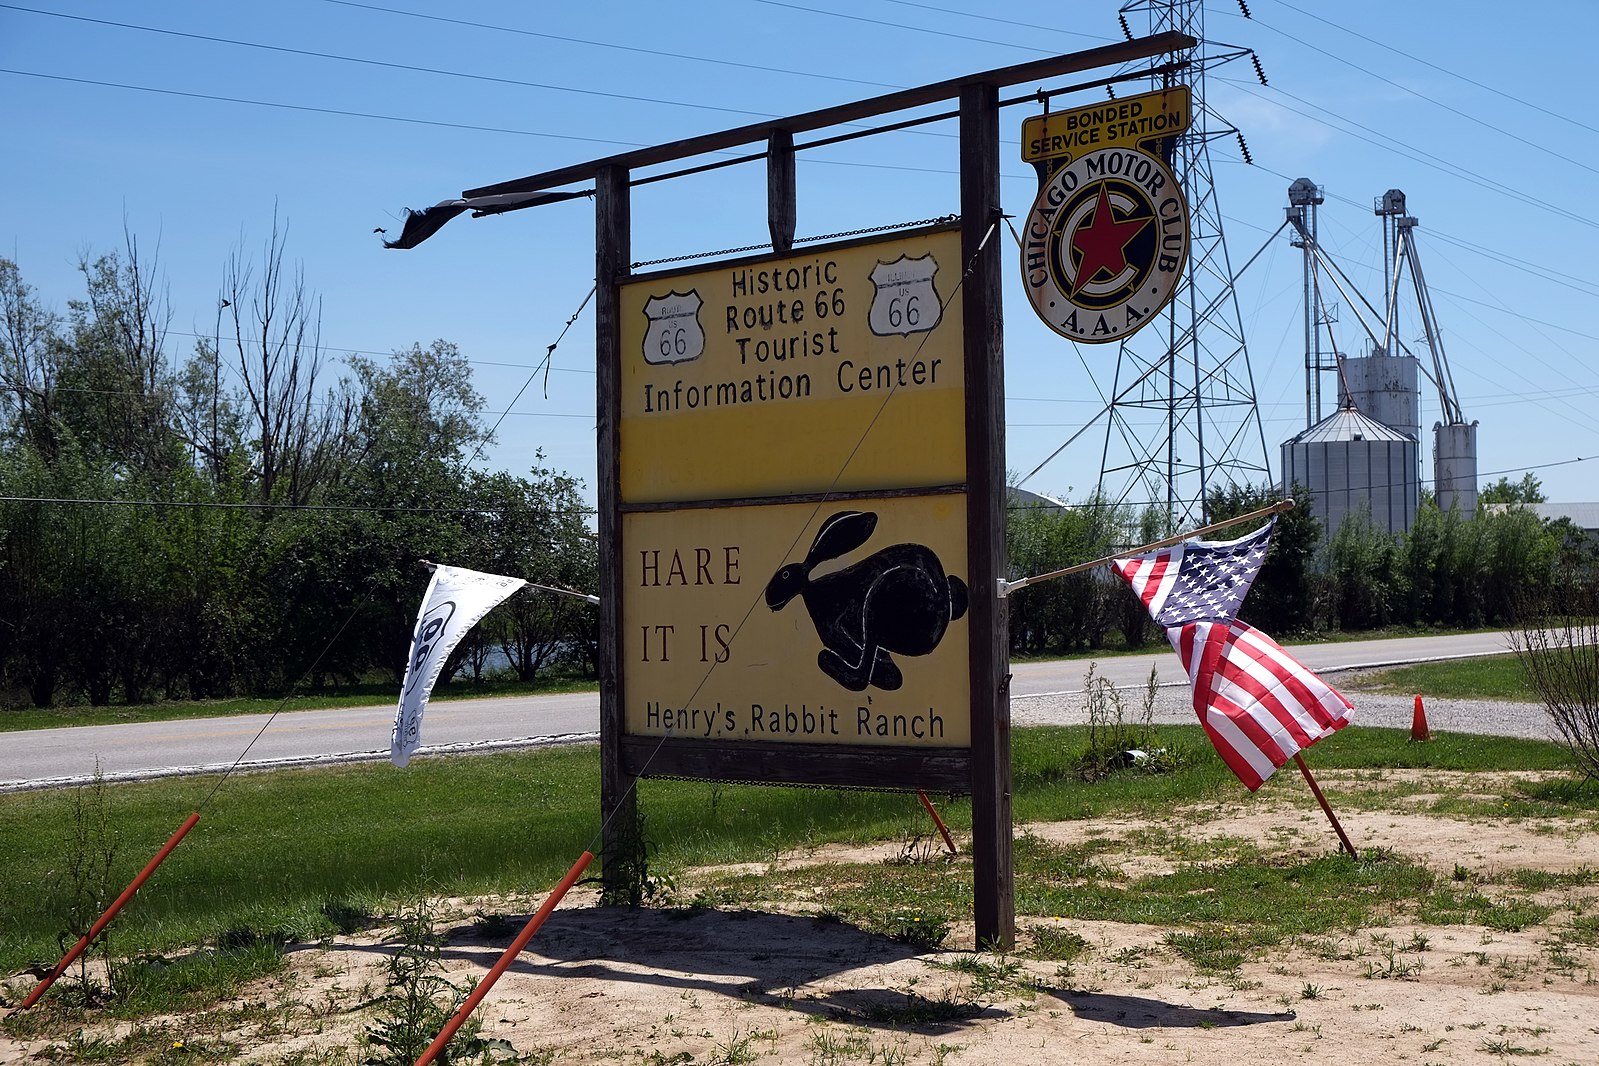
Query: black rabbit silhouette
{"type": "Point", "coordinates": [897, 599]}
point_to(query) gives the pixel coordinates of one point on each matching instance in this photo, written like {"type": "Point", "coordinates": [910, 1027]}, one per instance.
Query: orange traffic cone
{"type": "Point", "coordinates": [1418, 723]}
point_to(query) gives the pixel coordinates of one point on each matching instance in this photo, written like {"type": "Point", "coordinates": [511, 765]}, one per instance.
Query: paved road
{"type": "Point", "coordinates": [1042, 693]}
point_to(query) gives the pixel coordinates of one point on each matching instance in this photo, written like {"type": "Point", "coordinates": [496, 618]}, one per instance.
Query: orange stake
{"type": "Point", "coordinates": [111, 911]}
{"type": "Point", "coordinates": [942, 828]}
{"type": "Point", "coordinates": [506, 959]}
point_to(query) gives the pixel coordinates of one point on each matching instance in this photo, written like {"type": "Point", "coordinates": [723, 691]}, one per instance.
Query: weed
{"type": "Point", "coordinates": [630, 878]}
{"type": "Point", "coordinates": [913, 929]}
{"type": "Point", "coordinates": [85, 881]}
{"type": "Point", "coordinates": [918, 1009]}
{"type": "Point", "coordinates": [835, 1049]}
{"type": "Point", "coordinates": [921, 849]}
{"type": "Point", "coordinates": [1050, 942]}
{"type": "Point", "coordinates": [735, 1051]}
{"type": "Point", "coordinates": [1504, 1047]}
{"type": "Point", "coordinates": [493, 927]}
{"type": "Point", "coordinates": [1392, 966]}
{"type": "Point", "coordinates": [1207, 950]}
{"type": "Point", "coordinates": [419, 999]}
{"type": "Point", "coordinates": [1115, 743]}
{"type": "Point", "coordinates": [1003, 977]}
{"type": "Point", "coordinates": [1310, 991]}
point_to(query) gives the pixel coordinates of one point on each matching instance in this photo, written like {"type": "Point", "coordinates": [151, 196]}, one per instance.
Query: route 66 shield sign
{"type": "Point", "coordinates": [905, 301]}
{"type": "Point", "coordinates": [674, 334]}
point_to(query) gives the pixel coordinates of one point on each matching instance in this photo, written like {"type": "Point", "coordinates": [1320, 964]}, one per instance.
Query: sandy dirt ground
{"type": "Point", "coordinates": [778, 984]}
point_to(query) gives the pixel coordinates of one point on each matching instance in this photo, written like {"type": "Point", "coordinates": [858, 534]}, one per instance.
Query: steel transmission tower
{"type": "Point", "coordinates": [1182, 418]}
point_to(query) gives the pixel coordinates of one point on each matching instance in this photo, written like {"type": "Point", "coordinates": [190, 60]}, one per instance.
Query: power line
{"type": "Point", "coordinates": [1378, 138]}
{"type": "Point", "coordinates": [1441, 69]}
{"type": "Point", "coordinates": [762, 67]}
{"type": "Point", "coordinates": [388, 64]}
{"type": "Point", "coordinates": [902, 26]}
{"type": "Point", "coordinates": [1006, 22]}
{"type": "Point", "coordinates": [808, 158]}
{"type": "Point", "coordinates": [1504, 258]}
{"type": "Point", "coordinates": [321, 110]}
{"type": "Point", "coordinates": [321, 348]}
{"type": "Point", "coordinates": [1429, 99]}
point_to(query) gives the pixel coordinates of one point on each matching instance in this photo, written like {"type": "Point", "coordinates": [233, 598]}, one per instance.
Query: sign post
{"type": "Point", "coordinates": [994, 903]}
{"type": "Point", "coordinates": [801, 455]}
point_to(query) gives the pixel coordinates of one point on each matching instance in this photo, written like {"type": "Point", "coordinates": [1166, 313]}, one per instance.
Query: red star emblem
{"type": "Point", "coordinates": [1103, 242]}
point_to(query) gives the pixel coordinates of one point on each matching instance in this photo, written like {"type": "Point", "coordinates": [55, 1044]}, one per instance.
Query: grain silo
{"type": "Point", "coordinates": [1454, 458]}
{"type": "Point", "coordinates": [1351, 463]}
{"type": "Point", "coordinates": [1387, 388]}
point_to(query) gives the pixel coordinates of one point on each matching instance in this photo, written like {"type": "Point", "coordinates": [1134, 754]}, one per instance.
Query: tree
{"type": "Point", "coordinates": [116, 386]}
{"type": "Point", "coordinates": [1528, 490]}
{"type": "Point", "coordinates": [298, 432]}
{"type": "Point", "coordinates": [537, 528]}
{"type": "Point", "coordinates": [1361, 565]}
{"type": "Point", "coordinates": [1283, 599]}
{"type": "Point", "coordinates": [1069, 612]}
{"type": "Point", "coordinates": [30, 347]}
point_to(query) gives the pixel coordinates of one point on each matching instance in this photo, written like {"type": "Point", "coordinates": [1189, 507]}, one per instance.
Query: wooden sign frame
{"type": "Point", "coordinates": [983, 769]}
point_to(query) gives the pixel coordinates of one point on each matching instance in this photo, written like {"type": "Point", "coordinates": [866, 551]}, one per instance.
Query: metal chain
{"type": "Point", "coordinates": [940, 220]}
{"type": "Point", "coordinates": [905, 790]}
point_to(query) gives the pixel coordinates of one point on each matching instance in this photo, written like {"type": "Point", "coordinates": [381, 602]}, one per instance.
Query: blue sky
{"type": "Point", "coordinates": [1480, 115]}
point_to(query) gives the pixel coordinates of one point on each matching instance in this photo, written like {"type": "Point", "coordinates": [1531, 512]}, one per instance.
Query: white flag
{"type": "Point", "coordinates": [456, 599]}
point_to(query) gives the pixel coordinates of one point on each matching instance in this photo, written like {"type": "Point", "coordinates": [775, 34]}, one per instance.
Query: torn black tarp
{"type": "Point", "coordinates": [420, 225]}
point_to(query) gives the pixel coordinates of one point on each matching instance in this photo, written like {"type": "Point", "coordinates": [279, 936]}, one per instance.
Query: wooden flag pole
{"type": "Point", "coordinates": [111, 911]}
{"type": "Point", "coordinates": [1021, 583]}
{"type": "Point", "coordinates": [1326, 808]}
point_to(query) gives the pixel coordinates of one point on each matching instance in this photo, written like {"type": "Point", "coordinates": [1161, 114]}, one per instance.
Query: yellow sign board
{"type": "Point", "coordinates": [1124, 123]}
{"type": "Point", "coordinates": [843, 623]}
{"type": "Point", "coordinates": [822, 371]}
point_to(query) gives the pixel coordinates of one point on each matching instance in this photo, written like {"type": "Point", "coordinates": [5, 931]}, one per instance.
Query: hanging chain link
{"type": "Point", "coordinates": [940, 220]}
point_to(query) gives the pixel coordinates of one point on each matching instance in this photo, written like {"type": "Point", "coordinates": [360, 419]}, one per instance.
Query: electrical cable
{"type": "Point", "coordinates": [901, 26]}
{"type": "Point", "coordinates": [321, 110]}
{"type": "Point", "coordinates": [1006, 22]}
{"type": "Point", "coordinates": [548, 355]}
{"type": "Point", "coordinates": [761, 67]}
{"type": "Point", "coordinates": [1442, 69]}
{"type": "Point", "coordinates": [387, 64]}
{"type": "Point", "coordinates": [365, 596]}
{"type": "Point", "coordinates": [1539, 146]}
{"type": "Point", "coordinates": [1424, 158]}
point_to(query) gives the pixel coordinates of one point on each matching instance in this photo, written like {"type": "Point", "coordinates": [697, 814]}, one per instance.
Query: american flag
{"type": "Point", "coordinates": [1258, 704]}
{"type": "Point", "coordinates": [1197, 580]}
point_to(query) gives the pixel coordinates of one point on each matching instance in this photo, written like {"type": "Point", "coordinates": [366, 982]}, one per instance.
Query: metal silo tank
{"type": "Point", "coordinates": [1350, 462]}
{"type": "Point", "coordinates": [1454, 451]}
{"type": "Point", "coordinates": [1386, 387]}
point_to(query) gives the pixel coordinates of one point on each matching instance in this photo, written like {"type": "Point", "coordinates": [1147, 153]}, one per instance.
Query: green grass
{"type": "Point", "coordinates": [1492, 677]}
{"type": "Point", "coordinates": [301, 854]}
{"type": "Point", "coordinates": [375, 694]}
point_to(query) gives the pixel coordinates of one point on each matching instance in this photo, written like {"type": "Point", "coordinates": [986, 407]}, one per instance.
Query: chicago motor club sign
{"type": "Point", "coordinates": [1105, 244]}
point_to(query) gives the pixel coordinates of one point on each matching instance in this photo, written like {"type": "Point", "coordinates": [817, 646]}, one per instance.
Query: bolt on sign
{"type": "Point", "coordinates": [792, 469]}
{"type": "Point", "coordinates": [1107, 236]}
